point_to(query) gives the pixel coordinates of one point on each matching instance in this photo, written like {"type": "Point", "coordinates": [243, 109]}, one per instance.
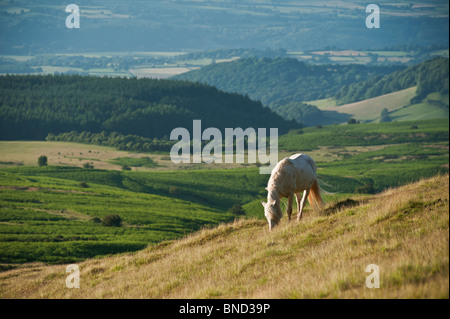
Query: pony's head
{"type": "Point", "coordinates": [272, 211]}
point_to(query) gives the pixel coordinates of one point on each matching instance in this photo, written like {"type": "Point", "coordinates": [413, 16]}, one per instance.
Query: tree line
{"type": "Point", "coordinates": [133, 143]}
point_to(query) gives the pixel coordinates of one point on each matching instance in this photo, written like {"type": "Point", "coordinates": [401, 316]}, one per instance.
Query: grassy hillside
{"type": "Point", "coordinates": [404, 231]}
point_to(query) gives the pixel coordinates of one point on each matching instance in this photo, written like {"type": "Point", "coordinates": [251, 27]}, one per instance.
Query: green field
{"type": "Point", "coordinates": [435, 105]}
{"type": "Point", "coordinates": [52, 214]}
{"type": "Point", "coordinates": [52, 219]}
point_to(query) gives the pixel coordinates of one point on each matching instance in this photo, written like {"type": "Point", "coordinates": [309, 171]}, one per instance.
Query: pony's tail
{"type": "Point", "coordinates": [315, 197]}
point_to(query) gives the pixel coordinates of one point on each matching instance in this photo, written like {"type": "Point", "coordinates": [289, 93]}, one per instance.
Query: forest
{"type": "Point", "coordinates": [31, 107]}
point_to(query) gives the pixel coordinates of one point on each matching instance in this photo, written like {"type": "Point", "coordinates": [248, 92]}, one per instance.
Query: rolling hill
{"type": "Point", "coordinates": [31, 107]}
{"type": "Point", "coordinates": [277, 81]}
{"type": "Point", "coordinates": [285, 85]}
{"type": "Point", "coordinates": [323, 256]}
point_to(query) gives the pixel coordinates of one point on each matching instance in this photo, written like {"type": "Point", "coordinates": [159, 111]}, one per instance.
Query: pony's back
{"type": "Point", "coordinates": [302, 161]}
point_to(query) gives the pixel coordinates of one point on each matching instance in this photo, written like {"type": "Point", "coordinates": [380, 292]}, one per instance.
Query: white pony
{"type": "Point", "coordinates": [292, 175]}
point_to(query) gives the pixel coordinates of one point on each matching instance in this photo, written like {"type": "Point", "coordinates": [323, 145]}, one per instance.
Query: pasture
{"type": "Point", "coordinates": [60, 154]}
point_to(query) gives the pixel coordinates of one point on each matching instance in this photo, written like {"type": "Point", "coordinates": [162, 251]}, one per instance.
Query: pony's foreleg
{"type": "Point", "coordinates": [289, 207]}
{"type": "Point", "coordinates": [301, 203]}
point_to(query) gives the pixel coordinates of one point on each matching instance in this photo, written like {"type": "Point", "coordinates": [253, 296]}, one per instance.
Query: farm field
{"type": "Point", "coordinates": [163, 65]}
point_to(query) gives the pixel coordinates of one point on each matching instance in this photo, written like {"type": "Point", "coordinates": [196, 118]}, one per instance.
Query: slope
{"type": "Point", "coordinates": [404, 231]}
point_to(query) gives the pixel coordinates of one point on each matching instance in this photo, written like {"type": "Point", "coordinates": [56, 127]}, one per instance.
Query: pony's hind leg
{"type": "Point", "coordinates": [301, 203]}
{"type": "Point", "coordinates": [289, 207]}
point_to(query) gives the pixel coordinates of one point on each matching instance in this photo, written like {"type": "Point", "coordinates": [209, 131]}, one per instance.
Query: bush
{"type": "Point", "coordinates": [42, 160]}
{"type": "Point", "coordinates": [88, 165]}
{"type": "Point", "coordinates": [384, 116]}
{"type": "Point", "coordinates": [352, 121]}
{"type": "Point", "coordinates": [237, 210]}
{"type": "Point", "coordinates": [112, 220]}
{"type": "Point", "coordinates": [84, 185]}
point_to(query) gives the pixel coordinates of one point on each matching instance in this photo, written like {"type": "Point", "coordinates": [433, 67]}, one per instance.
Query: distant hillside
{"type": "Point", "coordinates": [278, 81]}
{"type": "Point", "coordinates": [429, 76]}
{"type": "Point", "coordinates": [284, 85]}
{"type": "Point", "coordinates": [29, 27]}
{"type": "Point", "coordinates": [370, 109]}
{"type": "Point", "coordinates": [323, 256]}
{"type": "Point", "coordinates": [31, 107]}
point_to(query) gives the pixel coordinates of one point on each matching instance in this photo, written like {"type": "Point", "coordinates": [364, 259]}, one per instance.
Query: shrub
{"type": "Point", "coordinates": [84, 185]}
{"type": "Point", "coordinates": [237, 210]}
{"type": "Point", "coordinates": [112, 220]}
{"type": "Point", "coordinates": [384, 116]}
{"type": "Point", "coordinates": [88, 165]}
{"type": "Point", "coordinates": [42, 160]}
